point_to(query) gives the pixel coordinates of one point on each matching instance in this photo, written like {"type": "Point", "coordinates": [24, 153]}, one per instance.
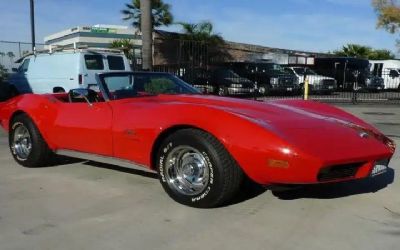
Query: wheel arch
{"type": "Point", "coordinates": [163, 135]}
{"type": "Point", "coordinates": [15, 114]}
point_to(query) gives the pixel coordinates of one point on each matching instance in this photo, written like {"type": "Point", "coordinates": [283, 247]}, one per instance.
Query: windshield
{"type": "Point", "coordinates": [271, 67]}
{"type": "Point", "coordinates": [301, 71]}
{"type": "Point", "coordinates": [227, 74]}
{"type": "Point", "coordinates": [128, 85]}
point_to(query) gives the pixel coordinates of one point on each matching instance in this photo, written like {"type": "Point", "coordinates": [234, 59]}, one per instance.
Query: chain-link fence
{"type": "Point", "coordinates": [10, 51]}
{"type": "Point", "coordinates": [215, 71]}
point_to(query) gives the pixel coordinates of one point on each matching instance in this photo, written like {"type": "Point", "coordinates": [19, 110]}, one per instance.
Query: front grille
{"type": "Point", "coordinates": [286, 81]}
{"type": "Point", "coordinates": [328, 82]}
{"type": "Point", "coordinates": [339, 172]}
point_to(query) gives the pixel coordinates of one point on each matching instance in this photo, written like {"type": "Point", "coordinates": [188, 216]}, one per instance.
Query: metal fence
{"type": "Point", "coordinates": [215, 71]}
{"type": "Point", "coordinates": [10, 51]}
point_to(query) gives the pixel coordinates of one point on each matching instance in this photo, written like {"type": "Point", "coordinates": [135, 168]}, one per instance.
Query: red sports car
{"type": "Point", "coordinates": [200, 146]}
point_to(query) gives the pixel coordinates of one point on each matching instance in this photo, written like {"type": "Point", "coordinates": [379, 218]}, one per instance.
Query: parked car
{"type": "Point", "coordinates": [389, 70]}
{"type": "Point", "coordinates": [60, 71]}
{"type": "Point", "coordinates": [350, 73]}
{"type": "Point", "coordinates": [269, 77]}
{"type": "Point", "coordinates": [317, 83]}
{"type": "Point", "coordinates": [220, 81]}
{"type": "Point", "coordinates": [201, 146]}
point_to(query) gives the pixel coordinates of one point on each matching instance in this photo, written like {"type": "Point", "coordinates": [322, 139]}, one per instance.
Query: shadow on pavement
{"type": "Point", "coordinates": [338, 190]}
{"type": "Point", "coordinates": [248, 191]}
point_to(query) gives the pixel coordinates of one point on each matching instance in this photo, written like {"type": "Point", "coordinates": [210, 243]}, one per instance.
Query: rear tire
{"type": "Point", "coordinates": [27, 145]}
{"type": "Point", "coordinates": [196, 170]}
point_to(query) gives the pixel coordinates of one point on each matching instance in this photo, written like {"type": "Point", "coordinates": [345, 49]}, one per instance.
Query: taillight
{"type": "Point", "coordinates": [80, 79]}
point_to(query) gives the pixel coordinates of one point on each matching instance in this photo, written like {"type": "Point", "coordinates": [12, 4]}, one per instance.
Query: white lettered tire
{"type": "Point", "coordinates": [196, 170]}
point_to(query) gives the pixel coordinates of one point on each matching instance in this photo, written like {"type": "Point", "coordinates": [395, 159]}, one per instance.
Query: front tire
{"type": "Point", "coordinates": [27, 145]}
{"type": "Point", "coordinates": [196, 170]}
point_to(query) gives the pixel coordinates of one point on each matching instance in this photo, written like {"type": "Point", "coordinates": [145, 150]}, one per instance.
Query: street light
{"type": "Point", "coordinates": [33, 24]}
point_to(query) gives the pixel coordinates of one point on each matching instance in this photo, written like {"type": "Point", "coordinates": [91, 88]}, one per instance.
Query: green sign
{"type": "Point", "coordinates": [103, 30]}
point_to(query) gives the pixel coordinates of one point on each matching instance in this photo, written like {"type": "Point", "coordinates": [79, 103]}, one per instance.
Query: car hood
{"type": "Point", "coordinates": [317, 132]}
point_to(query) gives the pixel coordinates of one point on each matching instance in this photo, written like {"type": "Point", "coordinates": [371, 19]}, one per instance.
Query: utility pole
{"type": "Point", "coordinates": [33, 24]}
{"type": "Point", "coordinates": [147, 34]}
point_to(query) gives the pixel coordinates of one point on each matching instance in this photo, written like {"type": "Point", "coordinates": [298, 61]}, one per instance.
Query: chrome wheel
{"type": "Point", "coordinates": [21, 142]}
{"type": "Point", "coordinates": [187, 170]}
{"type": "Point", "coordinates": [262, 90]}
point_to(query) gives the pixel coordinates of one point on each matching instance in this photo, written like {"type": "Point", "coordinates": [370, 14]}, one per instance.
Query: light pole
{"type": "Point", "coordinates": [33, 24]}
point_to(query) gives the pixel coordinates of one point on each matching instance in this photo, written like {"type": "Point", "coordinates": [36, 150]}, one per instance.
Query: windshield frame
{"type": "Point", "coordinates": [100, 78]}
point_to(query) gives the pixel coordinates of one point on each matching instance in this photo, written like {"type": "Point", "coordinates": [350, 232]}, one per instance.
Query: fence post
{"type": "Point", "coordinates": [306, 89]}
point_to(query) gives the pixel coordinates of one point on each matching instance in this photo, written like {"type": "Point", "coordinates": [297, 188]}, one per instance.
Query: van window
{"type": "Point", "coordinates": [24, 66]}
{"type": "Point", "coordinates": [94, 62]}
{"type": "Point", "coordinates": [393, 73]}
{"type": "Point", "coordinates": [115, 63]}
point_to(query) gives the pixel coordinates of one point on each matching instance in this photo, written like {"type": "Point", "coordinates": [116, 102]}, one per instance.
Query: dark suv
{"type": "Point", "coordinates": [220, 81]}
{"type": "Point", "coordinates": [269, 77]}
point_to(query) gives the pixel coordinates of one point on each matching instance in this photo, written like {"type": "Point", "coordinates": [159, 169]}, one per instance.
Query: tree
{"type": "Point", "coordinates": [203, 31]}
{"type": "Point", "coordinates": [11, 55]}
{"type": "Point", "coordinates": [381, 54]}
{"type": "Point", "coordinates": [388, 12]}
{"type": "Point", "coordinates": [160, 13]}
{"type": "Point", "coordinates": [201, 45]}
{"type": "Point", "coordinates": [354, 50]}
{"type": "Point", "coordinates": [364, 52]}
{"type": "Point", "coordinates": [126, 45]}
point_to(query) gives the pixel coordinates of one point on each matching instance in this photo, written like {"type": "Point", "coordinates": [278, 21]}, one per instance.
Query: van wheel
{"type": "Point", "coordinates": [222, 91]}
{"type": "Point", "coordinates": [27, 145]}
{"type": "Point", "coordinates": [58, 90]}
{"type": "Point", "coordinates": [196, 170]}
{"type": "Point", "coordinates": [263, 90]}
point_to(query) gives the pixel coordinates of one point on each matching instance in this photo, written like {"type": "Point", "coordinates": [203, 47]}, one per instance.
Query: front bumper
{"type": "Point", "coordinates": [322, 87]}
{"type": "Point", "coordinates": [240, 91]}
{"type": "Point", "coordinates": [285, 88]}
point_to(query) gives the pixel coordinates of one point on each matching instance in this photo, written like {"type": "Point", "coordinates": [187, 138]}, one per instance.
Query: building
{"type": "Point", "coordinates": [168, 49]}
{"type": "Point", "coordinates": [100, 36]}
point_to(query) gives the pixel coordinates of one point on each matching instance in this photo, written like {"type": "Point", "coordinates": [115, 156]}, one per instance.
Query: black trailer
{"type": "Point", "coordinates": [350, 73]}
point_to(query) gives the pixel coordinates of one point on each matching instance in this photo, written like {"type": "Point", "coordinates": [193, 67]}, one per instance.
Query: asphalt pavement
{"type": "Point", "coordinates": [83, 205]}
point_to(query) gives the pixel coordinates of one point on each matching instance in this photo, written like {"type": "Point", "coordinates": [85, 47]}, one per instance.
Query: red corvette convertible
{"type": "Point", "coordinates": [200, 146]}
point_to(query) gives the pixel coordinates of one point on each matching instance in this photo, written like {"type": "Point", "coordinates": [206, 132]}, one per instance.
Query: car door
{"type": "Point", "coordinates": [84, 128]}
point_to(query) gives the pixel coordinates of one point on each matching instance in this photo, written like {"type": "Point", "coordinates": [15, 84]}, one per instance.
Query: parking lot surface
{"type": "Point", "coordinates": [83, 205]}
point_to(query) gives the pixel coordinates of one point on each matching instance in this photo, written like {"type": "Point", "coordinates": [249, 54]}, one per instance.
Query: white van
{"type": "Point", "coordinates": [317, 83]}
{"type": "Point", "coordinates": [61, 71]}
{"type": "Point", "coordinates": [389, 70]}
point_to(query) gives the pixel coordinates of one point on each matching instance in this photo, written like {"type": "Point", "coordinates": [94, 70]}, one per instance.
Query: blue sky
{"type": "Point", "coordinates": [313, 25]}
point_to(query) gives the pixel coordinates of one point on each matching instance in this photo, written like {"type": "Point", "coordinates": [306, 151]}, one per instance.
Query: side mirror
{"type": "Point", "coordinates": [14, 70]}
{"type": "Point", "coordinates": [82, 95]}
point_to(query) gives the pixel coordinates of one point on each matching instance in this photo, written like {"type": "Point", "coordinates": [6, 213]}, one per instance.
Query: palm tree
{"type": "Point", "coordinates": [146, 26]}
{"type": "Point", "coordinates": [160, 13]}
{"type": "Point", "coordinates": [200, 44]}
{"type": "Point", "coordinates": [203, 31]}
{"type": "Point", "coordinates": [126, 45]}
{"type": "Point", "coordinates": [11, 55]}
{"type": "Point", "coordinates": [355, 50]}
